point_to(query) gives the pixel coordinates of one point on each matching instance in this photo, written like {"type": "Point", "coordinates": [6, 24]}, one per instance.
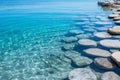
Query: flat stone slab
{"type": "Point", "coordinates": [82, 74]}
{"type": "Point", "coordinates": [69, 39]}
{"type": "Point", "coordinates": [116, 18]}
{"type": "Point", "coordinates": [84, 36]}
{"type": "Point", "coordinates": [81, 61]}
{"type": "Point", "coordinates": [68, 46]}
{"type": "Point", "coordinates": [75, 32]}
{"type": "Point", "coordinates": [116, 57]}
{"type": "Point", "coordinates": [87, 42]}
{"type": "Point", "coordinates": [110, 76]}
{"type": "Point", "coordinates": [113, 15]}
{"type": "Point", "coordinates": [104, 63]}
{"type": "Point", "coordinates": [71, 54]}
{"type": "Point", "coordinates": [96, 52]}
{"type": "Point", "coordinates": [114, 31]}
{"type": "Point", "coordinates": [110, 43]}
{"type": "Point", "coordinates": [103, 23]}
{"type": "Point", "coordinates": [117, 22]}
{"type": "Point", "coordinates": [102, 35]}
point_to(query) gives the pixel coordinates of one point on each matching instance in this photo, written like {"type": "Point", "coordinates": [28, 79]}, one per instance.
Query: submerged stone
{"type": "Point", "coordinates": [82, 74]}
{"type": "Point", "coordinates": [102, 23]}
{"type": "Point", "coordinates": [109, 43]}
{"type": "Point", "coordinates": [75, 32]}
{"type": "Point", "coordinates": [69, 39]}
{"type": "Point", "coordinates": [96, 52]}
{"type": "Point", "coordinates": [84, 36]}
{"type": "Point", "coordinates": [104, 63]}
{"type": "Point", "coordinates": [81, 61]}
{"type": "Point", "coordinates": [87, 42]}
{"type": "Point", "coordinates": [102, 35]}
{"type": "Point", "coordinates": [71, 54]}
{"type": "Point", "coordinates": [110, 76]}
{"type": "Point", "coordinates": [68, 46]}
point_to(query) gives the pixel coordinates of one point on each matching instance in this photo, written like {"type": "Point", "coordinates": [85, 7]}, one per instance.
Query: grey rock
{"type": "Point", "coordinates": [104, 63]}
{"type": "Point", "coordinates": [82, 74]}
{"type": "Point", "coordinates": [110, 76]}
{"type": "Point", "coordinates": [110, 43]}
{"type": "Point", "coordinates": [87, 42]}
{"type": "Point", "coordinates": [96, 52]}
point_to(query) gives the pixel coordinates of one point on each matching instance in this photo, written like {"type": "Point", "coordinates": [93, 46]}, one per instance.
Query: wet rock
{"type": "Point", "coordinates": [113, 15]}
{"type": "Point", "coordinates": [104, 63]}
{"type": "Point", "coordinates": [116, 57]}
{"type": "Point", "coordinates": [114, 31]}
{"type": "Point", "coordinates": [96, 52]}
{"type": "Point", "coordinates": [114, 50]}
{"type": "Point", "coordinates": [69, 39]}
{"type": "Point", "coordinates": [82, 74]}
{"type": "Point", "coordinates": [84, 36]}
{"type": "Point", "coordinates": [75, 32]}
{"type": "Point", "coordinates": [110, 76]}
{"type": "Point", "coordinates": [71, 54]}
{"type": "Point", "coordinates": [102, 35]}
{"type": "Point", "coordinates": [117, 12]}
{"type": "Point", "coordinates": [90, 30]}
{"type": "Point", "coordinates": [68, 46]}
{"type": "Point", "coordinates": [117, 22]}
{"type": "Point", "coordinates": [110, 43]}
{"type": "Point", "coordinates": [87, 42]}
{"type": "Point", "coordinates": [116, 18]}
{"type": "Point", "coordinates": [81, 61]}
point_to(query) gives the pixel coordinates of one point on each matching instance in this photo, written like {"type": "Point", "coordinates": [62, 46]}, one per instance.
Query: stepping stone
{"type": "Point", "coordinates": [116, 18]}
{"type": "Point", "coordinates": [89, 30]}
{"type": "Point", "coordinates": [114, 50]}
{"type": "Point", "coordinates": [114, 31]}
{"type": "Point", "coordinates": [104, 63]}
{"type": "Point", "coordinates": [69, 39]}
{"type": "Point", "coordinates": [102, 35]}
{"type": "Point", "coordinates": [68, 46]}
{"type": "Point", "coordinates": [71, 54]}
{"type": "Point", "coordinates": [84, 36]}
{"type": "Point", "coordinates": [110, 43]}
{"type": "Point", "coordinates": [113, 15]}
{"type": "Point", "coordinates": [75, 32]}
{"type": "Point", "coordinates": [81, 61]}
{"type": "Point", "coordinates": [96, 52]}
{"type": "Point", "coordinates": [80, 23]}
{"type": "Point", "coordinates": [87, 42]}
{"type": "Point", "coordinates": [117, 12]}
{"type": "Point", "coordinates": [82, 74]}
{"type": "Point", "coordinates": [110, 76]}
{"type": "Point", "coordinates": [117, 22]}
{"type": "Point", "coordinates": [116, 58]}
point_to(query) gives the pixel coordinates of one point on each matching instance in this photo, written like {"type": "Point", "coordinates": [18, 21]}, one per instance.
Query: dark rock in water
{"type": "Point", "coordinates": [96, 52]}
{"type": "Point", "coordinates": [81, 61]}
{"type": "Point", "coordinates": [68, 46]}
{"type": "Point", "coordinates": [87, 42]}
{"type": "Point", "coordinates": [110, 43]}
{"type": "Point", "coordinates": [75, 32]}
{"type": "Point", "coordinates": [102, 35]}
{"type": "Point", "coordinates": [104, 63]}
{"type": "Point", "coordinates": [110, 76]}
{"type": "Point", "coordinates": [116, 57]}
{"type": "Point", "coordinates": [69, 39]}
{"type": "Point", "coordinates": [82, 74]}
{"type": "Point", "coordinates": [114, 31]}
{"type": "Point", "coordinates": [116, 19]}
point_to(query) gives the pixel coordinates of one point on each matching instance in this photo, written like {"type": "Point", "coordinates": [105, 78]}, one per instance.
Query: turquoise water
{"type": "Point", "coordinates": [30, 38]}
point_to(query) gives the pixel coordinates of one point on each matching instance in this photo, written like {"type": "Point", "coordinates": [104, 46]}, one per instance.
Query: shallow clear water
{"type": "Point", "coordinates": [30, 38]}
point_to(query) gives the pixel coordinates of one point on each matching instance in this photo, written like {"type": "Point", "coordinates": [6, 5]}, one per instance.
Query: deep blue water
{"type": "Point", "coordinates": [30, 36]}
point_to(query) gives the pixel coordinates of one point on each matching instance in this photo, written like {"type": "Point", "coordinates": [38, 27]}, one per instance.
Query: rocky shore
{"type": "Point", "coordinates": [100, 47]}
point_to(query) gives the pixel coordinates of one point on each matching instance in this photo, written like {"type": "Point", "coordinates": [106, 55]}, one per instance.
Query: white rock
{"type": "Point", "coordinates": [114, 31]}
{"type": "Point", "coordinates": [116, 57]}
{"type": "Point", "coordinates": [102, 35]}
{"type": "Point", "coordinates": [113, 15]}
{"type": "Point", "coordinates": [110, 43]}
{"type": "Point", "coordinates": [110, 76]}
{"type": "Point", "coordinates": [87, 42]}
{"type": "Point", "coordinates": [96, 52]}
{"type": "Point", "coordinates": [82, 74]}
